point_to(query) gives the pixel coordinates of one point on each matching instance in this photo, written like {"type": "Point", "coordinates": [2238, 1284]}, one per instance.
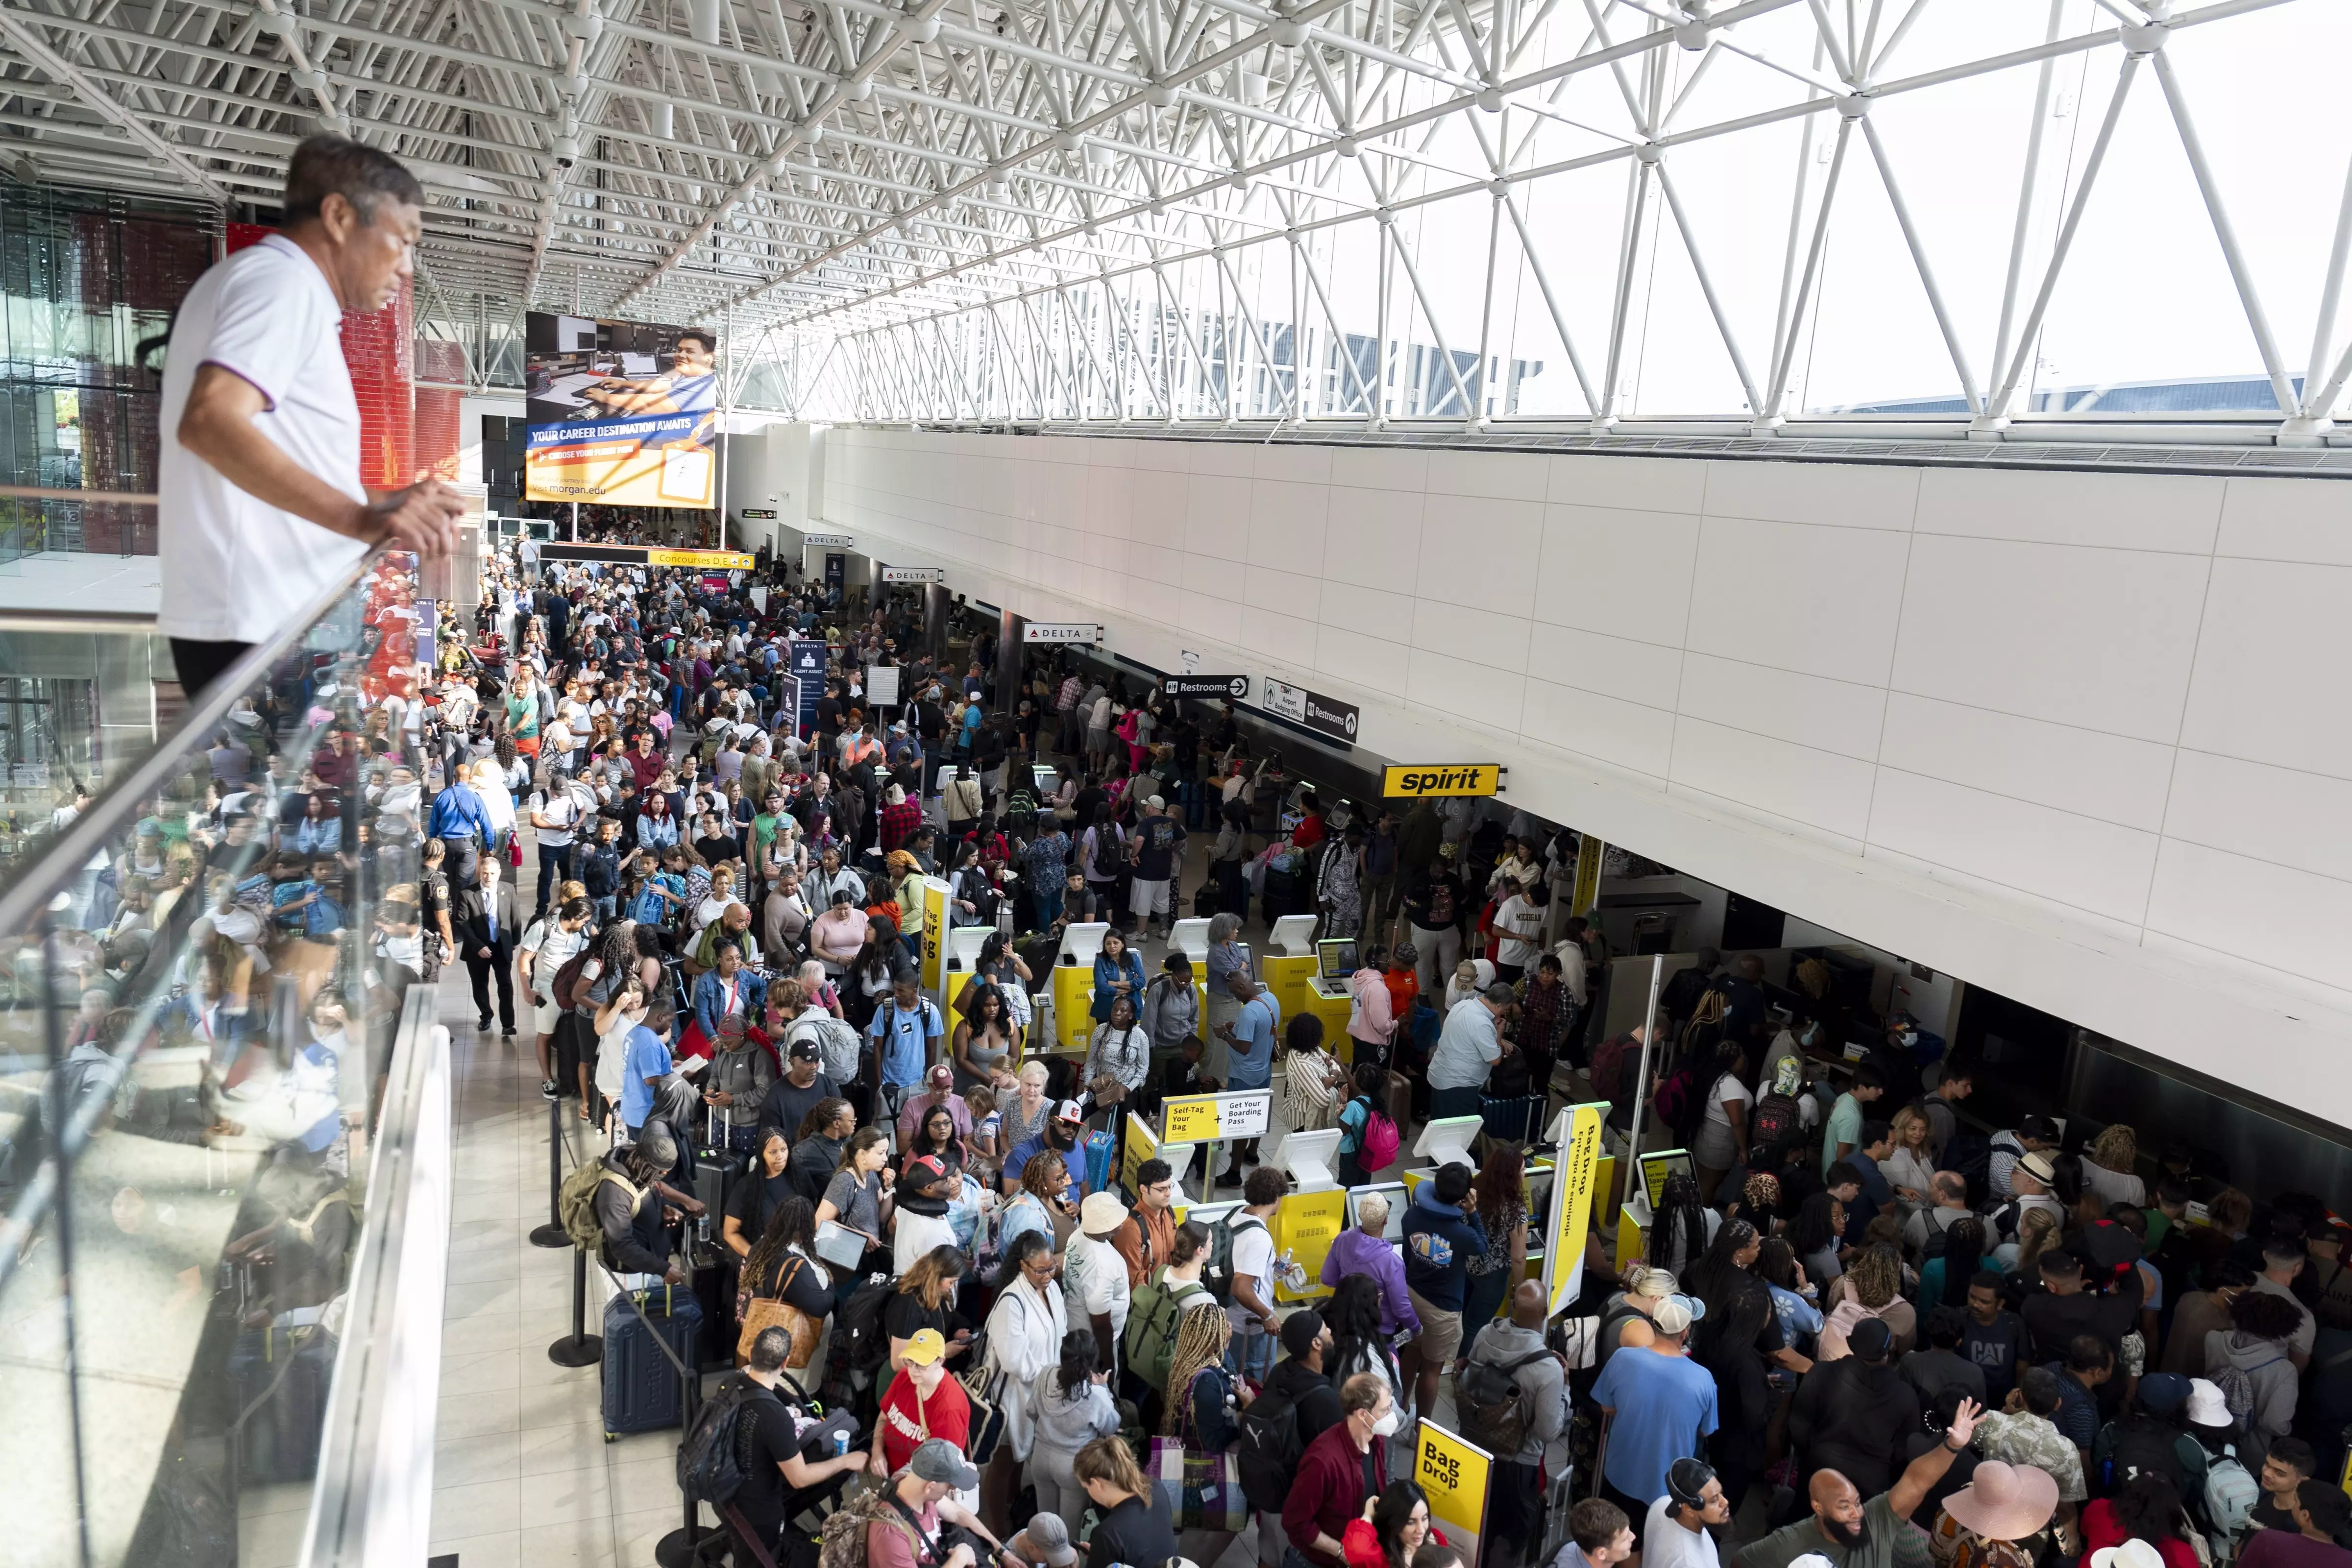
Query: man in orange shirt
{"type": "Point", "coordinates": [1148, 1238]}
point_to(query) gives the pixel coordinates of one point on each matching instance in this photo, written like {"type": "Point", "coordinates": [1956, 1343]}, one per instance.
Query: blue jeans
{"type": "Point", "coordinates": [1047, 901]}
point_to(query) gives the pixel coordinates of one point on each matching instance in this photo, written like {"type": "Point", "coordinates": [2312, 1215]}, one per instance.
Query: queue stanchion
{"type": "Point", "coordinates": [683, 1547]}
{"type": "Point", "coordinates": [581, 1348]}
{"type": "Point", "coordinates": [552, 1233]}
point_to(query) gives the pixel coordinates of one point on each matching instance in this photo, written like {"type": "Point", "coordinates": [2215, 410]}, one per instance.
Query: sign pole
{"type": "Point", "coordinates": [1641, 1076]}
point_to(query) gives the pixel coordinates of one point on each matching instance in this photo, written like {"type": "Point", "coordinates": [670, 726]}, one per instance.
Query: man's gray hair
{"type": "Point", "coordinates": [1500, 994]}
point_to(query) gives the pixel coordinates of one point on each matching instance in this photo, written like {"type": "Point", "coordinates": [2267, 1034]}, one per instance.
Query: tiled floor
{"type": "Point", "coordinates": [522, 1473]}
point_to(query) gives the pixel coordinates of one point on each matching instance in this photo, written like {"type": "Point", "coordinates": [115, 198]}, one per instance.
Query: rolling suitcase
{"type": "Point", "coordinates": [641, 1386]}
{"type": "Point", "coordinates": [1100, 1147]}
{"type": "Point", "coordinates": [281, 1378]}
{"type": "Point", "coordinates": [1515, 1117]}
{"type": "Point", "coordinates": [717, 1169]}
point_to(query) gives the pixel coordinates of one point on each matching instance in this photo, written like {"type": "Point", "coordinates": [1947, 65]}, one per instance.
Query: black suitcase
{"type": "Point", "coordinates": [281, 1378]}
{"type": "Point", "coordinates": [717, 1169]}
{"type": "Point", "coordinates": [642, 1392]}
{"type": "Point", "coordinates": [1517, 1117]}
{"type": "Point", "coordinates": [1285, 893]}
{"type": "Point", "coordinates": [715, 1277]}
{"type": "Point", "coordinates": [1205, 902]}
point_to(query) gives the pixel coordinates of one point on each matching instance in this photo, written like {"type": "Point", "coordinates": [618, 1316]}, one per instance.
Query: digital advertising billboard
{"type": "Point", "coordinates": [620, 412]}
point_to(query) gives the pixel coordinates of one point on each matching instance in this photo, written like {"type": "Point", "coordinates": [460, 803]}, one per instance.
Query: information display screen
{"type": "Point", "coordinates": [620, 412]}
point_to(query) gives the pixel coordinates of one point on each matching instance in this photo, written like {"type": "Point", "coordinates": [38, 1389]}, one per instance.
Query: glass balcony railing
{"type": "Point", "coordinates": [215, 1119]}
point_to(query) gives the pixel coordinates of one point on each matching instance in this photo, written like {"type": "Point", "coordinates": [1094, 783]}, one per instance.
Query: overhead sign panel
{"type": "Point", "coordinates": [1337, 719]}
{"type": "Point", "coordinates": [1214, 687]}
{"type": "Point", "coordinates": [1062, 631]}
{"type": "Point", "coordinates": [647, 554]}
{"type": "Point", "coordinates": [914, 574]}
{"type": "Point", "coordinates": [1430, 782]}
{"type": "Point", "coordinates": [828, 541]}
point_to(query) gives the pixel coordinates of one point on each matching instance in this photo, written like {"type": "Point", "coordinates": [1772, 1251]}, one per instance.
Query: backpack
{"type": "Point", "coordinates": [2237, 1387]}
{"type": "Point", "coordinates": [1494, 1412]}
{"type": "Point", "coordinates": [566, 986]}
{"type": "Point", "coordinates": [1381, 1141]}
{"type": "Point", "coordinates": [709, 1463]}
{"type": "Point", "coordinates": [843, 1545]}
{"type": "Point", "coordinates": [2230, 1494]}
{"type": "Point", "coordinates": [1680, 1103]}
{"type": "Point", "coordinates": [1149, 1340]}
{"type": "Point", "coordinates": [1777, 1122]}
{"type": "Point", "coordinates": [575, 1203]}
{"type": "Point", "coordinates": [1269, 1449]}
{"type": "Point", "coordinates": [1219, 1275]}
{"type": "Point", "coordinates": [859, 1323]}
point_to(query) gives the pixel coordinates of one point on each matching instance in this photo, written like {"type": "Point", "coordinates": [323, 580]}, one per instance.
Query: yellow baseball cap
{"type": "Point", "coordinates": [927, 1347]}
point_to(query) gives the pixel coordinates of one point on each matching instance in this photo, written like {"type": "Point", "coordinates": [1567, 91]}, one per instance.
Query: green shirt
{"type": "Point", "coordinates": [1880, 1532]}
{"type": "Point", "coordinates": [1844, 1127]}
{"type": "Point", "coordinates": [522, 717]}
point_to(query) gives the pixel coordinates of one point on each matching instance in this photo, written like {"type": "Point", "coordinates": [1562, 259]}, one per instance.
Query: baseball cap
{"type": "Point", "coordinates": [1069, 1110]}
{"type": "Point", "coordinates": [929, 1167]}
{"type": "Point", "coordinates": [928, 1347]}
{"type": "Point", "coordinates": [1101, 1214]}
{"type": "Point", "coordinates": [943, 1076]}
{"type": "Point", "coordinates": [806, 1049]}
{"type": "Point", "coordinates": [1049, 1541]}
{"type": "Point", "coordinates": [939, 1460]}
{"type": "Point", "coordinates": [1672, 1316]}
{"type": "Point", "coordinates": [1870, 1340]}
{"type": "Point", "coordinates": [1156, 803]}
{"type": "Point", "coordinates": [2162, 1393]}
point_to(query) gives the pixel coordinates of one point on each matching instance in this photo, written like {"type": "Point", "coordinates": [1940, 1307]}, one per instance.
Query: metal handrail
{"type": "Point", "coordinates": [345, 1498]}
{"type": "Point", "coordinates": [23, 901]}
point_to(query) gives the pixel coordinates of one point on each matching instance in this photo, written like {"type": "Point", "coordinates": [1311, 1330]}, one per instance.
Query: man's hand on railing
{"type": "Point", "coordinates": [423, 518]}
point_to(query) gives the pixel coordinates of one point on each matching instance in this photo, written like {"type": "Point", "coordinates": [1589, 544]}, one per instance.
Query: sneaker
{"type": "Point", "coordinates": [482, 1024]}
{"type": "Point", "coordinates": [505, 1033]}
{"type": "Point", "coordinates": [547, 1089]}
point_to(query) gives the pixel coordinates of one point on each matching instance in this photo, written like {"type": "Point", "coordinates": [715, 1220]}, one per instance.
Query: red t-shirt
{"type": "Point", "coordinates": [907, 1421]}
{"type": "Point", "coordinates": [2102, 1529]}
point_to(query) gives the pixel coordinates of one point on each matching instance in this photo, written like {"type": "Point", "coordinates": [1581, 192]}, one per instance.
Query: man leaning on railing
{"type": "Point", "coordinates": [261, 508]}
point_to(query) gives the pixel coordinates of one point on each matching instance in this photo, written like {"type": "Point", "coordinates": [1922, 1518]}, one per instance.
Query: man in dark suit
{"type": "Point", "coordinates": [485, 935]}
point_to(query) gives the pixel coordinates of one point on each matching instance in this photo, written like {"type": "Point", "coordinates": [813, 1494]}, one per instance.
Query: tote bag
{"type": "Point", "coordinates": [1203, 1491]}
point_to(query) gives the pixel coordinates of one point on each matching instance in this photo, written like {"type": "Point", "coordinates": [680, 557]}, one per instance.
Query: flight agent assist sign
{"type": "Point", "coordinates": [1430, 782]}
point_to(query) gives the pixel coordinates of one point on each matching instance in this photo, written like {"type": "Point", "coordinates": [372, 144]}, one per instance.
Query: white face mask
{"type": "Point", "coordinates": [1387, 1424]}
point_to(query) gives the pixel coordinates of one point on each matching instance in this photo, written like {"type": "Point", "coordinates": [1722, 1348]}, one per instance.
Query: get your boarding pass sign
{"type": "Point", "coordinates": [1214, 1118]}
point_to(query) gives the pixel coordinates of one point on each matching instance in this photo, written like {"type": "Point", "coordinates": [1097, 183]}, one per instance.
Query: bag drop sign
{"type": "Point", "coordinates": [1432, 781]}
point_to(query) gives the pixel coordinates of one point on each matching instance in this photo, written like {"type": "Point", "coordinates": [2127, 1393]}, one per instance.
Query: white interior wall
{"type": "Point", "coordinates": [2076, 736]}
{"type": "Point", "coordinates": [470, 410]}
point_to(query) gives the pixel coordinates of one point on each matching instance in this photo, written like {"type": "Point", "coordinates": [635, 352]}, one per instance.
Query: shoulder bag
{"type": "Point", "coordinates": [1203, 1491]}
{"type": "Point", "coordinates": [762, 1313]}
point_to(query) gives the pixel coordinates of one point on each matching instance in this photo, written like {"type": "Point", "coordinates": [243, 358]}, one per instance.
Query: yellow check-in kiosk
{"type": "Point", "coordinates": [1073, 985]}
{"type": "Point", "coordinates": [1287, 966]}
{"type": "Point", "coordinates": [1328, 997]}
{"type": "Point", "coordinates": [1655, 1167]}
{"type": "Point", "coordinates": [1190, 936]}
{"type": "Point", "coordinates": [964, 943]}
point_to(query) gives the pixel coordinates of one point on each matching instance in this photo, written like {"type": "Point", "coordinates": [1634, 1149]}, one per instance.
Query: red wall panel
{"type": "Point", "coordinates": [377, 348]}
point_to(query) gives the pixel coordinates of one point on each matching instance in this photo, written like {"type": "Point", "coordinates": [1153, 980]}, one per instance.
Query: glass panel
{"type": "Point", "coordinates": [196, 1003]}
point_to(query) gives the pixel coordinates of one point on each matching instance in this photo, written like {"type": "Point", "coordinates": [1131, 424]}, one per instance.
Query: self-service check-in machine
{"type": "Point", "coordinates": [1074, 984]}
{"type": "Point", "coordinates": [1326, 995]}
{"type": "Point", "coordinates": [1289, 965]}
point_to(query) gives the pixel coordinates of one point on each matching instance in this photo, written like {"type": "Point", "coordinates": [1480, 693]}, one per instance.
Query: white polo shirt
{"type": "Point", "coordinates": [237, 566]}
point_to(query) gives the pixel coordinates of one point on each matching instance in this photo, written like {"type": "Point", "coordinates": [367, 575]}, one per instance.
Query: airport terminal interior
{"type": "Point", "coordinates": [1301, 783]}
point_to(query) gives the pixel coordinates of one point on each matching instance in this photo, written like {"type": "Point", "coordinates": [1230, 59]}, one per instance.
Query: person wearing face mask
{"type": "Point", "coordinates": [1851, 1532]}
{"type": "Point", "coordinates": [1342, 1468]}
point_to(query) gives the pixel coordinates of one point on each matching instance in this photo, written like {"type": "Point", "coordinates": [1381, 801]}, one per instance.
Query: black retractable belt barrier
{"type": "Point", "coordinates": [552, 1233]}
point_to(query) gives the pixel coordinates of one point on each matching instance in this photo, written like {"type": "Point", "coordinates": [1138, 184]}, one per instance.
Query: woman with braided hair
{"type": "Point", "coordinates": [1203, 1406]}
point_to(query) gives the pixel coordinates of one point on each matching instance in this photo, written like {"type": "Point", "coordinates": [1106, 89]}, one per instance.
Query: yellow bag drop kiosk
{"type": "Point", "coordinates": [1287, 968]}
{"type": "Point", "coordinates": [1073, 985]}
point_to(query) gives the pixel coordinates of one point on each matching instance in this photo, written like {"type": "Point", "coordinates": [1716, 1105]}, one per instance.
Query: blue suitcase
{"type": "Point", "coordinates": [1099, 1148]}
{"type": "Point", "coordinates": [282, 1377]}
{"type": "Point", "coordinates": [641, 1386]}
